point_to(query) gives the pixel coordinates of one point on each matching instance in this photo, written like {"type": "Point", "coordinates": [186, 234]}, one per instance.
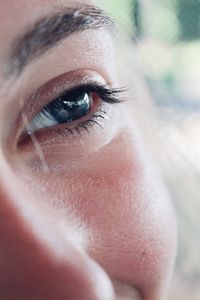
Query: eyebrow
{"type": "Point", "coordinates": [51, 31]}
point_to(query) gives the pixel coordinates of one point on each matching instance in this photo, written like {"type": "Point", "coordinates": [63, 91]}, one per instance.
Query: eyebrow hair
{"type": "Point", "coordinates": [51, 30]}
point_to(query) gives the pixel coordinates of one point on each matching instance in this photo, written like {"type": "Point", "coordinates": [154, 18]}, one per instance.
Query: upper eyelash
{"type": "Point", "coordinates": [108, 95]}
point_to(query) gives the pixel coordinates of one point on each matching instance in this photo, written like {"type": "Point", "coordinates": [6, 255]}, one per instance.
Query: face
{"type": "Point", "coordinates": [83, 213]}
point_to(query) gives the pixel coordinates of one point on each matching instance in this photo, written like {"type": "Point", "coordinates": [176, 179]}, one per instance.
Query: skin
{"type": "Point", "coordinates": [90, 218]}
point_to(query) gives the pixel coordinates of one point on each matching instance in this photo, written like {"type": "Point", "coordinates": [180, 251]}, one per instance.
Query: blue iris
{"type": "Point", "coordinates": [65, 110]}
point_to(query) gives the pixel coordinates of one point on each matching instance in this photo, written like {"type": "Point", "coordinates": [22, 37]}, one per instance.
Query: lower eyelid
{"type": "Point", "coordinates": [85, 125]}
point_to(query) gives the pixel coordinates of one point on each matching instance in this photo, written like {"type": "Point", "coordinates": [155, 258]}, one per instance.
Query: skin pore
{"type": "Point", "coordinates": [83, 213]}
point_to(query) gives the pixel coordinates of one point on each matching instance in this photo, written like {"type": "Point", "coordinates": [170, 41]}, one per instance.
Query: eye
{"type": "Point", "coordinates": [63, 109]}
{"type": "Point", "coordinates": [79, 107]}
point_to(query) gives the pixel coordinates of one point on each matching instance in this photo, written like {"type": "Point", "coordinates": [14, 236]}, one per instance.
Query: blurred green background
{"type": "Point", "coordinates": [168, 33]}
{"type": "Point", "coordinates": [167, 20]}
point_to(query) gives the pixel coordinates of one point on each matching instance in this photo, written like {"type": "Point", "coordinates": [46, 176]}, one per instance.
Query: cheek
{"type": "Point", "coordinates": [128, 213]}
{"type": "Point", "coordinates": [123, 205]}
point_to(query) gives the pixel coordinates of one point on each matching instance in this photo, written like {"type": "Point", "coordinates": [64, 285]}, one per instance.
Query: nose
{"type": "Point", "coordinates": [37, 261]}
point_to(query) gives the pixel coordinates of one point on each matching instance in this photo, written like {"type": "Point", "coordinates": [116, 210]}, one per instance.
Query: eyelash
{"type": "Point", "coordinates": [105, 94]}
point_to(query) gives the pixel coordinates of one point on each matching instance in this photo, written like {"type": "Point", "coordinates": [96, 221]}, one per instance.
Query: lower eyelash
{"type": "Point", "coordinates": [86, 125]}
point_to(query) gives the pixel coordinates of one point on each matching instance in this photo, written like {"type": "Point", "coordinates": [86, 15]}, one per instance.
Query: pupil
{"type": "Point", "coordinates": [68, 110]}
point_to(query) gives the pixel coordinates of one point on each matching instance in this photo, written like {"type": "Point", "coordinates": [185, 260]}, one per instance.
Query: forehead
{"type": "Point", "coordinates": [15, 14]}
